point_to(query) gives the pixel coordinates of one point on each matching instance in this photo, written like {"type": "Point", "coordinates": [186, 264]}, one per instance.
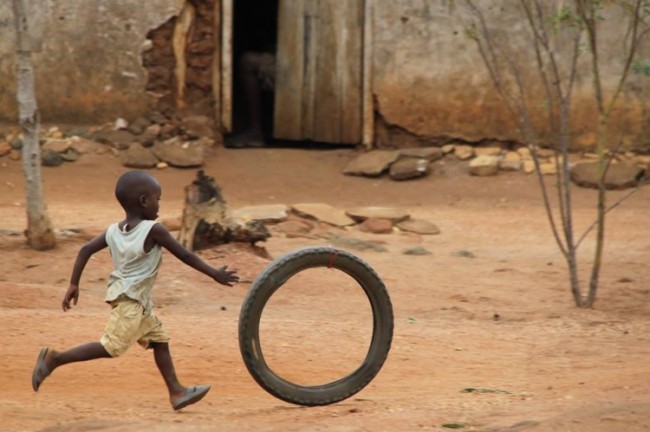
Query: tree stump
{"type": "Point", "coordinates": [205, 221]}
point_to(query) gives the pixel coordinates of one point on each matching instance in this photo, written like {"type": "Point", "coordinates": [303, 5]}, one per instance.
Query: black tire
{"type": "Point", "coordinates": [272, 278]}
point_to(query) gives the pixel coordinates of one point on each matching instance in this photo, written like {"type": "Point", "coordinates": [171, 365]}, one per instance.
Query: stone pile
{"type": "Point", "coordinates": [301, 220]}
{"type": "Point", "coordinates": [627, 169]}
{"type": "Point", "coordinates": [157, 140]}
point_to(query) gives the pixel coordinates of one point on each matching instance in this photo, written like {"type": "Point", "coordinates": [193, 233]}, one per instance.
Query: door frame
{"type": "Point", "coordinates": [226, 73]}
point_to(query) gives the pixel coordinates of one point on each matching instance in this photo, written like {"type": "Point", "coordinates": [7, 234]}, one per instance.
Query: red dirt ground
{"type": "Point", "coordinates": [543, 365]}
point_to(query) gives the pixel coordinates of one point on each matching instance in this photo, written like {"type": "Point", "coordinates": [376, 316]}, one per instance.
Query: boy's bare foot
{"type": "Point", "coordinates": [42, 370]}
{"type": "Point", "coordinates": [192, 395]}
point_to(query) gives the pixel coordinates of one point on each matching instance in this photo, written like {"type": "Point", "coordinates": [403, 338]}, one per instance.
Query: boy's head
{"type": "Point", "coordinates": [138, 193]}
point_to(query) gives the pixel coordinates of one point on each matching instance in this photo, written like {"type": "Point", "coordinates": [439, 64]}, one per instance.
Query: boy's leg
{"type": "Point", "coordinates": [85, 352]}
{"type": "Point", "coordinates": [49, 359]}
{"type": "Point", "coordinates": [179, 395]}
{"type": "Point", "coordinates": [165, 364]}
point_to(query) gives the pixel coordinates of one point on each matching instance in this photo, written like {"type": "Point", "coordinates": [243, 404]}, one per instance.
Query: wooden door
{"type": "Point", "coordinates": [319, 91]}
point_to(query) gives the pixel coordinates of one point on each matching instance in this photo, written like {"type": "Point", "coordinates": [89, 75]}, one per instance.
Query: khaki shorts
{"type": "Point", "coordinates": [128, 324]}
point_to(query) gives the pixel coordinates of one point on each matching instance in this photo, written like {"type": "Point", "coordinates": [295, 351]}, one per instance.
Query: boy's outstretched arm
{"type": "Point", "coordinates": [163, 237]}
{"type": "Point", "coordinates": [87, 250]}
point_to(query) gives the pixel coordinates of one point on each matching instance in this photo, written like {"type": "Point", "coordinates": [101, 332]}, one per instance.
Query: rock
{"type": "Point", "coordinates": [263, 213]}
{"type": "Point", "coordinates": [464, 152]}
{"type": "Point", "coordinates": [51, 158]}
{"type": "Point", "coordinates": [418, 226]}
{"type": "Point", "coordinates": [14, 154]}
{"type": "Point", "coordinates": [545, 153]}
{"type": "Point", "coordinates": [84, 146]}
{"type": "Point", "coordinates": [409, 168]}
{"type": "Point", "coordinates": [448, 148]}
{"type": "Point", "coordinates": [463, 254]}
{"type": "Point", "coordinates": [376, 226]}
{"type": "Point", "coordinates": [324, 213]}
{"type": "Point", "coordinates": [70, 155]}
{"type": "Point", "coordinates": [5, 149]}
{"type": "Point", "coordinates": [524, 152]}
{"type": "Point", "coordinates": [150, 134]}
{"type": "Point", "coordinates": [54, 133]}
{"type": "Point", "coordinates": [548, 168]}
{"type": "Point", "coordinates": [529, 166]}
{"type": "Point", "coordinates": [395, 215]}
{"type": "Point", "coordinates": [139, 157]}
{"type": "Point", "coordinates": [509, 164]}
{"type": "Point", "coordinates": [431, 154]}
{"type": "Point", "coordinates": [484, 166]}
{"type": "Point", "coordinates": [78, 131]}
{"type": "Point", "coordinates": [512, 156]}
{"type": "Point", "coordinates": [169, 130]}
{"type": "Point", "coordinates": [178, 153]}
{"type": "Point", "coordinates": [157, 117]}
{"type": "Point", "coordinates": [487, 151]}
{"type": "Point", "coordinates": [162, 165]}
{"type": "Point", "coordinates": [619, 176]}
{"type": "Point", "coordinates": [139, 125]}
{"type": "Point", "coordinates": [373, 163]}
{"type": "Point", "coordinates": [206, 142]}
{"type": "Point", "coordinates": [416, 250]}
{"type": "Point", "coordinates": [199, 126]}
{"type": "Point", "coordinates": [120, 139]}
{"type": "Point", "coordinates": [16, 143]}
{"type": "Point", "coordinates": [120, 124]}
{"type": "Point", "coordinates": [57, 145]}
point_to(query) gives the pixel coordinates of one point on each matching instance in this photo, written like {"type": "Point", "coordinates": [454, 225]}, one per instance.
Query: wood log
{"type": "Point", "coordinates": [205, 220]}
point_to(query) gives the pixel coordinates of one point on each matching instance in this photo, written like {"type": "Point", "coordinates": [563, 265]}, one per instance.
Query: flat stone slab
{"type": "Point", "coordinates": [376, 226]}
{"type": "Point", "coordinates": [429, 153]}
{"type": "Point", "coordinates": [57, 145]}
{"type": "Point", "coordinates": [138, 156]}
{"type": "Point", "coordinates": [373, 163]}
{"type": "Point", "coordinates": [418, 226]}
{"type": "Point", "coordinates": [619, 176]}
{"type": "Point", "coordinates": [178, 153]}
{"type": "Point", "coordinates": [262, 213]}
{"type": "Point", "coordinates": [324, 213]}
{"type": "Point", "coordinates": [392, 214]}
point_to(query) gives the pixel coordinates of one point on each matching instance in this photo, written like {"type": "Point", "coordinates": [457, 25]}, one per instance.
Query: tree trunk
{"type": "Point", "coordinates": [205, 220]}
{"type": "Point", "coordinates": [39, 232]}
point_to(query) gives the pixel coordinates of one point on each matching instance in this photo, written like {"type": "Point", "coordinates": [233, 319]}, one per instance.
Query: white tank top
{"type": "Point", "coordinates": [135, 270]}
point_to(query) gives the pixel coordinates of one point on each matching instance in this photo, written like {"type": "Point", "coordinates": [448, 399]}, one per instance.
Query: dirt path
{"type": "Point", "coordinates": [501, 323]}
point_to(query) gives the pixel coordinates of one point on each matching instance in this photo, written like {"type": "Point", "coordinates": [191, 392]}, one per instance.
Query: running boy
{"type": "Point", "coordinates": [135, 246]}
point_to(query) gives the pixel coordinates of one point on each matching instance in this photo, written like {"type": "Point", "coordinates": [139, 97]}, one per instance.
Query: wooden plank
{"type": "Point", "coordinates": [351, 84]}
{"type": "Point", "coordinates": [319, 71]}
{"type": "Point", "coordinates": [311, 43]}
{"type": "Point", "coordinates": [216, 61]}
{"type": "Point", "coordinates": [287, 122]}
{"type": "Point", "coordinates": [226, 64]}
{"type": "Point", "coordinates": [368, 109]}
{"type": "Point", "coordinates": [338, 93]}
{"type": "Point", "coordinates": [325, 101]}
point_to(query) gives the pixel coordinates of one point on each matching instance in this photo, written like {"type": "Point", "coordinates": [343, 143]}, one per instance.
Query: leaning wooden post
{"type": "Point", "coordinates": [39, 232]}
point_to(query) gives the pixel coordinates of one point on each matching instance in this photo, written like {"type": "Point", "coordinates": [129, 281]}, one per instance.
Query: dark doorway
{"type": "Point", "coordinates": [255, 25]}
